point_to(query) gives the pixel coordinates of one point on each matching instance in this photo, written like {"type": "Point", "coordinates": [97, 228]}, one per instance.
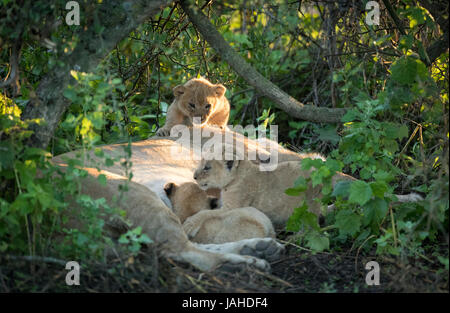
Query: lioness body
{"type": "Point", "coordinates": [197, 98]}
{"type": "Point", "coordinates": [153, 165]}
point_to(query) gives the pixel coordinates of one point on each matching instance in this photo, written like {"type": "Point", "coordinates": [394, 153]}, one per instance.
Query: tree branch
{"type": "Point", "coordinates": [118, 18]}
{"type": "Point", "coordinates": [438, 47]}
{"type": "Point", "coordinates": [254, 78]}
{"type": "Point", "coordinates": [13, 63]}
{"type": "Point", "coordinates": [394, 16]}
{"type": "Point", "coordinates": [436, 8]}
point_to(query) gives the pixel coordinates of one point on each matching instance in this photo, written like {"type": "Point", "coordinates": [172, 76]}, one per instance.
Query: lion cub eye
{"type": "Point", "coordinates": [192, 105]}
{"type": "Point", "coordinates": [208, 106]}
{"type": "Point", "coordinates": [207, 167]}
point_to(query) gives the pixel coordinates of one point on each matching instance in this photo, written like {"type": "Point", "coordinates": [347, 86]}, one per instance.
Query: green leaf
{"type": "Point", "coordinates": [70, 94]}
{"type": "Point", "coordinates": [319, 176]}
{"type": "Point", "coordinates": [97, 119]}
{"type": "Point", "coordinates": [123, 239]}
{"type": "Point", "coordinates": [307, 163]}
{"type": "Point", "coordinates": [350, 116]}
{"type": "Point", "coordinates": [145, 239]}
{"type": "Point", "coordinates": [300, 185]}
{"type": "Point", "coordinates": [347, 222]}
{"type": "Point", "coordinates": [328, 134]}
{"type": "Point", "coordinates": [374, 211]}
{"type": "Point", "coordinates": [342, 189]}
{"type": "Point", "coordinates": [102, 179]}
{"type": "Point", "coordinates": [6, 154]}
{"type": "Point", "coordinates": [317, 242]}
{"type": "Point", "coordinates": [408, 70]}
{"type": "Point", "coordinates": [360, 192]}
{"type": "Point", "coordinates": [137, 230]}
{"type": "Point", "coordinates": [403, 132]}
{"type": "Point", "coordinates": [406, 42]}
{"type": "Point", "coordinates": [99, 152]}
{"type": "Point", "coordinates": [300, 218]}
{"type": "Point", "coordinates": [294, 192]}
{"type": "Point", "coordinates": [333, 165]}
{"type": "Point", "coordinates": [109, 162]}
{"type": "Point", "coordinates": [383, 176]}
{"type": "Point", "coordinates": [416, 16]}
{"type": "Point", "coordinates": [379, 188]}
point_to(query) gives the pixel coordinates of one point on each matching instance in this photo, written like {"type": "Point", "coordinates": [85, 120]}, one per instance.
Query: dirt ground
{"type": "Point", "coordinates": [297, 271]}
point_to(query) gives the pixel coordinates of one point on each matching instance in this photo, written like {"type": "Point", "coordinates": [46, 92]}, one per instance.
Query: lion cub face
{"type": "Point", "coordinates": [199, 98]}
{"type": "Point", "coordinates": [187, 199]}
{"type": "Point", "coordinates": [215, 173]}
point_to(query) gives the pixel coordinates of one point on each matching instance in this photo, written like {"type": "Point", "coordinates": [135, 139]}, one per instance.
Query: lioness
{"type": "Point", "coordinates": [147, 205]}
{"type": "Point", "coordinates": [197, 98]}
{"type": "Point", "coordinates": [203, 224]}
{"type": "Point", "coordinates": [244, 184]}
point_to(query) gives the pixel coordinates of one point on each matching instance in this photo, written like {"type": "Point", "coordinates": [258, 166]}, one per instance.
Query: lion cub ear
{"type": "Point", "coordinates": [220, 90]}
{"type": "Point", "coordinates": [178, 90]}
{"type": "Point", "coordinates": [169, 188]}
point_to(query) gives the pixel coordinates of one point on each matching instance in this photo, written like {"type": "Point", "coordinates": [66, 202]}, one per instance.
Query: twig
{"type": "Point", "coordinates": [5, 288]}
{"type": "Point", "coordinates": [407, 143]}
{"type": "Point", "coordinates": [359, 249]}
{"type": "Point", "coordinates": [394, 231]}
{"type": "Point", "coordinates": [13, 63]}
{"type": "Point", "coordinates": [34, 258]}
{"type": "Point", "coordinates": [277, 279]}
{"type": "Point", "coordinates": [394, 16]}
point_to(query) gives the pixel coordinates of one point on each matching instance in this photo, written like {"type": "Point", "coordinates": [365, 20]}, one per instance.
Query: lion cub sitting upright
{"type": "Point", "coordinates": [197, 98]}
{"type": "Point", "coordinates": [205, 224]}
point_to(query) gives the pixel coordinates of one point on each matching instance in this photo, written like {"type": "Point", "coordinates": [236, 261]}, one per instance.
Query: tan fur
{"type": "Point", "coordinates": [244, 184]}
{"type": "Point", "coordinates": [203, 224]}
{"type": "Point", "coordinates": [221, 226]}
{"type": "Point", "coordinates": [153, 166]}
{"type": "Point", "coordinates": [197, 98]}
{"type": "Point", "coordinates": [188, 199]}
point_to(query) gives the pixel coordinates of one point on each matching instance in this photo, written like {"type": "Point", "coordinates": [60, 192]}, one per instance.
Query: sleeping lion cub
{"type": "Point", "coordinates": [197, 98]}
{"type": "Point", "coordinates": [203, 224]}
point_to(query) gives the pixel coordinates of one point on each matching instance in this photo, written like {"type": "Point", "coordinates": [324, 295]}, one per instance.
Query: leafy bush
{"type": "Point", "coordinates": [394, 137]}
{"type": "Point", "coordinates": [371, 149]}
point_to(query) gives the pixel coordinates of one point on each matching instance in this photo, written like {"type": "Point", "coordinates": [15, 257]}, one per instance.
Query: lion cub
{"type": "Point", "coordinates": [205, 224]}
{"type": "Point", "coordinates": [197, 98]}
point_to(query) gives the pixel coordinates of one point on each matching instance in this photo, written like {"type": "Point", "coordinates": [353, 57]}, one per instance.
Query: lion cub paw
{"type": "Point", "coordinates": [191, 227]}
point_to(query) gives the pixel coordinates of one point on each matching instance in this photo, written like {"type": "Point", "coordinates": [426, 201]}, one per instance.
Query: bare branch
{"type": "Point", "coordinates": [438, 47]}
{"type": "Point", "coordinates": [13, 63]}
{"type": "Point", "coordinates": [119, 18]}
{"type": "Point", "coordinates": [264, 87]}
{"type": "Point", "coordinates": [394, 17]}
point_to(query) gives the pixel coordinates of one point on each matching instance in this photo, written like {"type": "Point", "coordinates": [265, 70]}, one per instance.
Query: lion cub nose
{"type": "Point", "coordinates": [195, 176]}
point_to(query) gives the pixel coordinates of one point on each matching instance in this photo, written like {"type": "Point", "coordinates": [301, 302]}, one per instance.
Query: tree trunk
{"type": "Point", "coordinates": [118, 18]}
{"type": "Point", "coordinates": [254, 78]}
